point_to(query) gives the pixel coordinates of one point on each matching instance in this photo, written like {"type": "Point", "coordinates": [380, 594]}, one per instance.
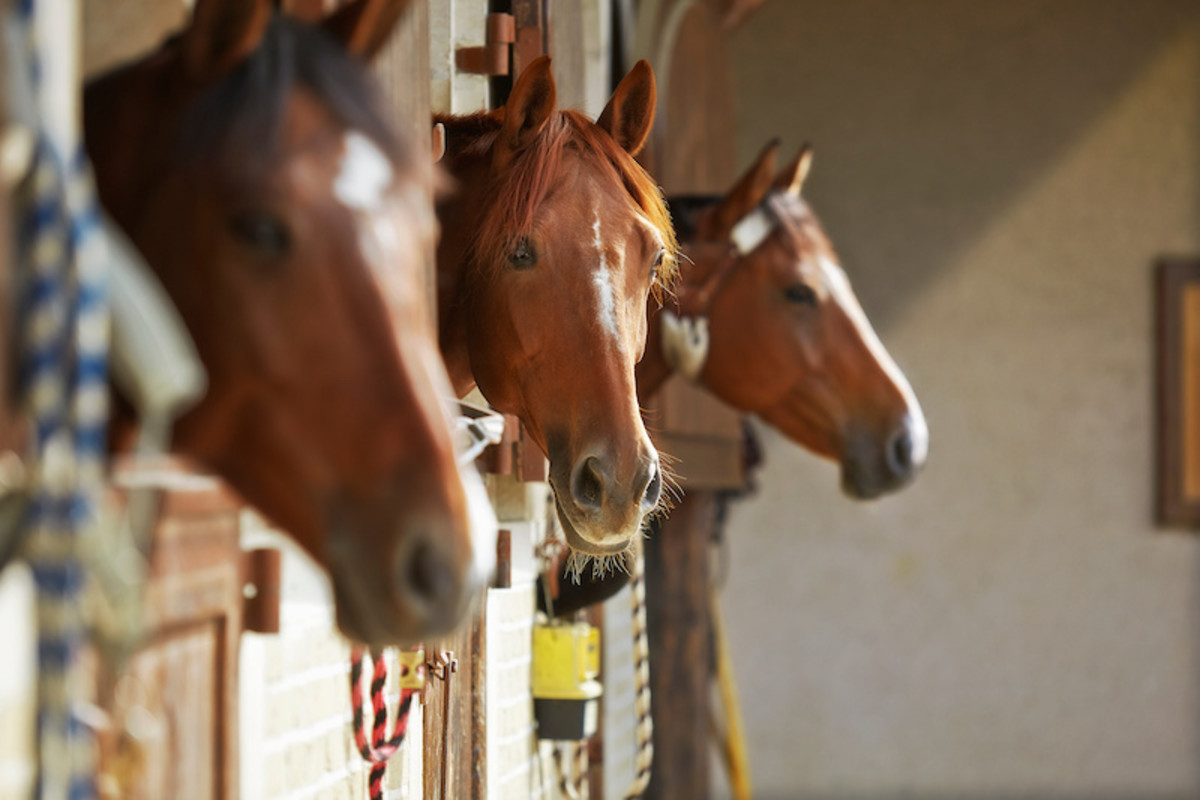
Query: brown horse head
{"type": "Point", "coordinates": [251, 164]}
{"type": "Point", "coordinates": [551, 246]}
{"type": "Point", "coordinates": [768, 322]}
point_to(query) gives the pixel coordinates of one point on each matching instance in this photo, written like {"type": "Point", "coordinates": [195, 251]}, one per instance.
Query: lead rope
{"type": "Point", "coordinates": [63, 377]}
{"type": "Point", "coordinates": [377, 747]}
{"type": "Point", "coordinates": [570, 785]}
{"type": "Point", "coordinates": [641, 679]}
{"type": "Point", "coordinates": [644, 732]}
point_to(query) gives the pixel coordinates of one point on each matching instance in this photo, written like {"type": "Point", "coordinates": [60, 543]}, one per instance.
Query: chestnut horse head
{"type": "Point", "coordinates": [551, 246]}
{"type": "Point", "coordinates": [250, 162]}
{"type": "Point", "coordinates": [768, 322]}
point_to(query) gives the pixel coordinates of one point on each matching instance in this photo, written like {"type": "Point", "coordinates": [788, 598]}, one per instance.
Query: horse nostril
{"type": "Point", "coordinates": [900, 453]}
{"type": "Point", "coordinates": [587, 487]}
{"type": "Point", "coordinates": [653, 491]}
{"type": "Point", "coordinates": [429, 574]}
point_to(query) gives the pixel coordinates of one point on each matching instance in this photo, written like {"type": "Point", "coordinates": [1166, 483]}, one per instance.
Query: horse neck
{"type": "Point", "coordinates": [459, 217]}
{"type": "Point", "coordinates": [653, 370]}
{"type": "Point", "coordinates": [125, 173]}
{"type": "Point", "coordinates": [704, 268]}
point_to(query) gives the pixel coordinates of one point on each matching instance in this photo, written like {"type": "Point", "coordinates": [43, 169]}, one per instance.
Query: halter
{"type": "Point", "coordinates": [685, 338]}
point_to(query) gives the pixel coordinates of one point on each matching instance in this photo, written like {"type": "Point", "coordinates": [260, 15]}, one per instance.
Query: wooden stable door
{"type": "Point", "coordinates": [692, 151]}
{"type": "Point", "coordinates": [183, 682]}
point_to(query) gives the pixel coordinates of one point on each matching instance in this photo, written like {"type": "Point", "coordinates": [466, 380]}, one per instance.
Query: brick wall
{"type": "Point", "coordinates": [295, 698]}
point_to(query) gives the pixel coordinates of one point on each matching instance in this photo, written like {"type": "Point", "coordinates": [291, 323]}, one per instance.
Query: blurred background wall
{"type": "Point", "coordinates": [998, 177]}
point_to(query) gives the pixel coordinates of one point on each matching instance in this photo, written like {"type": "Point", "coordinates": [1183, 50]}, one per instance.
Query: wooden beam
{"type": "Point", "coordinates": [677, 570]}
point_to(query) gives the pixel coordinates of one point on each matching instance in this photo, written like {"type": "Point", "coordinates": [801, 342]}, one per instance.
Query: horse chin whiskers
{"type": "Point", "coordinates": [672, 490]}
{"type": "Point", "coordinates": [579, 562]}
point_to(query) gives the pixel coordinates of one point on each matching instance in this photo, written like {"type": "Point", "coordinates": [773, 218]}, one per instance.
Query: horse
{"type": "Point", "coordinates": [552, 244]}
{"type": "Point", "coordinates": [764, 317]}
{"type": "Point", "coordinates": [250, 162]}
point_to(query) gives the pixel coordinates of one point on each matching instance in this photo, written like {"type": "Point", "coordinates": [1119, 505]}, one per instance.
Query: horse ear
{"type": "Point", "coordinates": [791, 179]}
{"type": "Point", "coordinates": [527, 111]}
{"type": "Point", "coordinates": [365, 26]}
{"type": "Point", "coordinates": [222, 33]}
{"type": "Point", "coordinates": [749, 191]}
{"type": "Point", "coordinates": [629, 115]}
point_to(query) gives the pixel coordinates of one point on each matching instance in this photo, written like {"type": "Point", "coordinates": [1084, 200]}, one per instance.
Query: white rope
{"type": "Point", "coordinates": [571, 786]}
{"type": "Point", "coordinates": [644, 734]}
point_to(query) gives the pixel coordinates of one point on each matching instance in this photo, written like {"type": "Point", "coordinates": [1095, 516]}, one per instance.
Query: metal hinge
{"type": "Point", "coordinates": [494, 57]}
{"type": "Point", "coordinates": [261, 587]}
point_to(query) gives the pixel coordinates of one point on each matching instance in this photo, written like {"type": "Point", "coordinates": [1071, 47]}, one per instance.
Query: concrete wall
{"type": "Point", "coordinates": [998, 177]}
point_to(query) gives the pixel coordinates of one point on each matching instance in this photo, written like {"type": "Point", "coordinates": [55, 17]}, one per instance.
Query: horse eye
{"type": "Point", "coordinates": [262, 232]}
{"type": "Point", "coordinates": [523, 256]}
{"type": "Point", "coordinates": [801, 294]}
{"type": "Point", "coordinates": [658, 262]}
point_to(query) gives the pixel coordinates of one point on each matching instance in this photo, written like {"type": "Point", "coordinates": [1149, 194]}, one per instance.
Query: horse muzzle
{"type": "Point", "coordinates": [423, 584]}
{"type": "Point", "coordinates": [600, 514]}
{"type": "Point", "coordinates": [873, 465]}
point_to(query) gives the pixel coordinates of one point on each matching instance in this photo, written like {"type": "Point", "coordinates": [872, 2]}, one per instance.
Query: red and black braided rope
{"type": "Point", "coordinates": [376, 747]}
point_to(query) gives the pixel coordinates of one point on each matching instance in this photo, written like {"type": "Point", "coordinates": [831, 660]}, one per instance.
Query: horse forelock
{"type": "Point", "coordinates": [243, 113]}
{"type": "Point", "coordinates": [801, 224]}
{"type": "Point", "coordinates": [534, 172]}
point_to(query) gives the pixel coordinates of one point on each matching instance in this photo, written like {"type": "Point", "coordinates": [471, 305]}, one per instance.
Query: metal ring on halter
{"type": "Point", "coordinates": [685, 343]}
{"type": "Point", "coordinates": [475, 429]}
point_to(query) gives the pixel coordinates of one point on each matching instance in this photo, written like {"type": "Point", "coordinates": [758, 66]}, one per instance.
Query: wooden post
{"type": "Point", "coordinates": [677, 570]}
{"type": "Point", "coordinates": [461, 765]}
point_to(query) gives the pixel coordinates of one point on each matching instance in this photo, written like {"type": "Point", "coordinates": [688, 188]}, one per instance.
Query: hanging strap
{"type": "Point", "coordinates": [375, 745]}
{"type": "Point", "coordinates": [62, 378]}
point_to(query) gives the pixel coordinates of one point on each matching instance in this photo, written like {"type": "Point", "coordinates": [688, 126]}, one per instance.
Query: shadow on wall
{"type": "Point", "coordinates": [1009, 170]}
{"type": "Point", "coordinates": [894, 75]}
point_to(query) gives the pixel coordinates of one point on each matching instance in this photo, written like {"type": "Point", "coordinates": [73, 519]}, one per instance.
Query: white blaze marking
{"type": "Point", "coordinates": [844, 296]}
{"type": "Point", "coordinates": [365, 176]}
{"type": "Point", "coordinates": [602, 280]}
{"type": "Point", "coordinates": [364, 185]}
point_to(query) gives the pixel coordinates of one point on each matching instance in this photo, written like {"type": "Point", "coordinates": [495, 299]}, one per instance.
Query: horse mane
{"type": "Point", "coordinates": [686, 210]}
{"type": "Point", "coordinates": [246, 107]}
{"type": "Point", "coordinates": [517, 194]}
{"type": "Point", "coordinates": [802, 223]}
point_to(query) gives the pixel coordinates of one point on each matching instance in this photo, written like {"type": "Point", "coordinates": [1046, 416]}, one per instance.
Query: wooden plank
{"type": "Point", "coordinates": [455, 760]}
{"type": "Point", "coordinates": [691, 150]}
{"type": "Point", "coordinates": [702, 462]}
{"type": "Point", "coordinates": [532, 33]}
{"type": "Point", "coordinates": [187, 675]}
{"type": "Point", "coordinates": [1191, 390]}
{"type": "Point", "coordinates": [7, 412]}
{"type": "Point", "coordinates": [403, 72]}
{"type": "Point", "coordinates": [116, 31]}
{"type": "Point", "coordinates": [475, 752]}
{"type": "Point", "coordinates": [1178, 387]}
{"type": "Point", "coordinates": [677, 611]}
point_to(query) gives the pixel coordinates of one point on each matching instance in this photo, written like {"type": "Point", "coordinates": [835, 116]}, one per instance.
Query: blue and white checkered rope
{"type": "Point", "coordinates": [63, 329]}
